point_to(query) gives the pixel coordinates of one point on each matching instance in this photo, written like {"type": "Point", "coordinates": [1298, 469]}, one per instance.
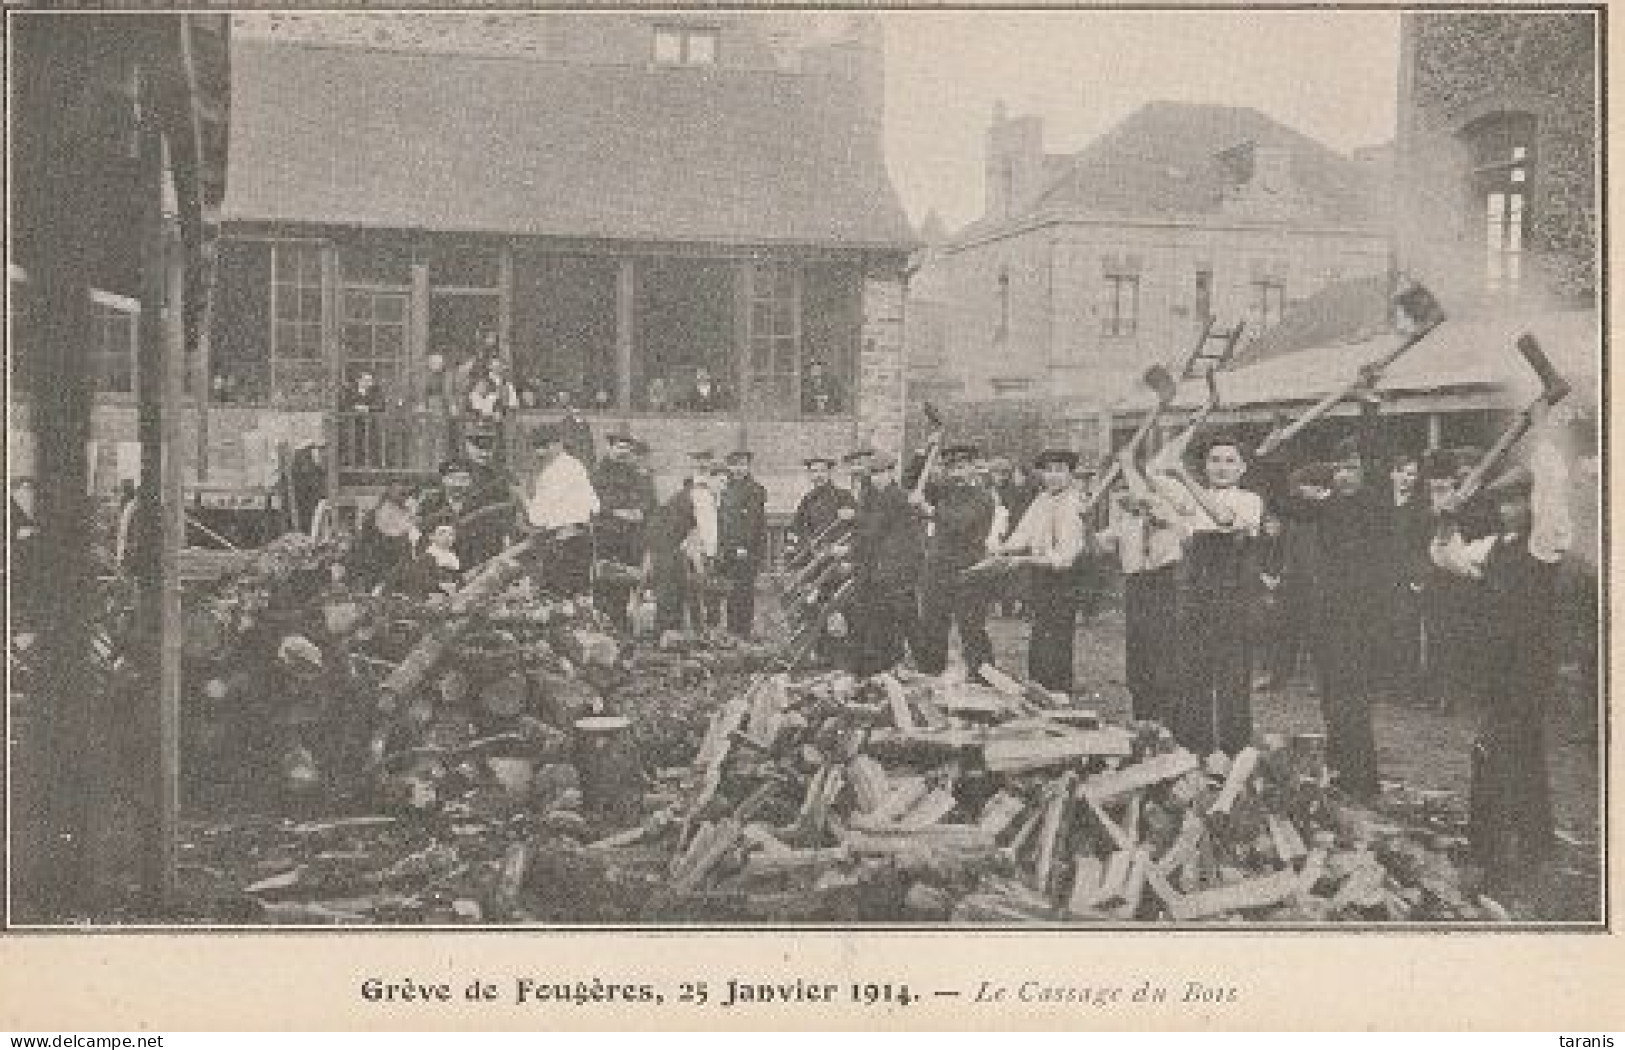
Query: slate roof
{"type": "Point", "coordinates": [1162, 161]}
{"type": "Point", "coordinates": [401, 140]}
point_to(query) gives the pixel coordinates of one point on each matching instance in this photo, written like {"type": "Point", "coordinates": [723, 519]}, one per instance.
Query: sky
{"type": "Point", "coordinates": [1332, 75]}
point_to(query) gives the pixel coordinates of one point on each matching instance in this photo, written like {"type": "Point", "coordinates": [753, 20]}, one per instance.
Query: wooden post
{"type": "Point", "coordinates": [626, 289]}
{"type": "Point", "coordinates": [743, 278]}
{"type": "Point", "coordinates": [55, 876]}
{"type": "Point", "coordinates": [1435, 431]}
{"type": "Point", "coordinates": [148, 567]}
{"type": "Point", "coordinates": [169, 687]}
{"type": "Point", "coordinates": [425, 449]}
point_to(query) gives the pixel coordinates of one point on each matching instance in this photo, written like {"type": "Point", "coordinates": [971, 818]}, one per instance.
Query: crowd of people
{"type": "Point", "coordinates": [1372, 563]}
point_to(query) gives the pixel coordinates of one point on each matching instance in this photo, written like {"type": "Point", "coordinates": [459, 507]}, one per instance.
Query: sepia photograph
{"type": "Point", "coordinates": [961, 471]}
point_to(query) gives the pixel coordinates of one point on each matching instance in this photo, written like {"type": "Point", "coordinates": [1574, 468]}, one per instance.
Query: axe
{"type": "Point", "coordinates": [1424, 312]}
{"type": "Point", "coordinates": [1553, 388]}
{"type": "Point", "coordinates": [1165, 388]}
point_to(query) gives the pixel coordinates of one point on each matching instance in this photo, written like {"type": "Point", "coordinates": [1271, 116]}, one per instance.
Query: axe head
{"type": "Point", "coordinates": [1419, 305]}
{"type": "Point", "coordinates": [1162, 383]}
{"type": "Point", "coordinates": [933, 418]}
{"type": "Point", "coordinates": [1553, 387]}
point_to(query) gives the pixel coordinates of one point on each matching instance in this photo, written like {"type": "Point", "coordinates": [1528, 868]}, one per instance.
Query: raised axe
{"type": "Point", "coordinates": [933, 452]}
{"type": "Point", "coordinates": [1425, 313]}
{"type": "Point", "coordinates": [1165, 389]}
{"type": "Point", "coordinates": [1553, 388]}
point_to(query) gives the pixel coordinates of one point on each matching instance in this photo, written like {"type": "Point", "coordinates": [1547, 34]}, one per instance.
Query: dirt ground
{"type": "Point", "coordinates": [1422, 748]}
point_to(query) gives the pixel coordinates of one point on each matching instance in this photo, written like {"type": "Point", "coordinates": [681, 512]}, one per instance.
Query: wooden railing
{"type": "Point", "coordinates": [398, 444]}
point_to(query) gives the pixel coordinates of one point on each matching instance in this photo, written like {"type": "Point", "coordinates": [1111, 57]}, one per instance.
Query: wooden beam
{"type": "Point", "coordinates": [1106, 787]}
{"type": "Point", "coordinates": [626, 289]}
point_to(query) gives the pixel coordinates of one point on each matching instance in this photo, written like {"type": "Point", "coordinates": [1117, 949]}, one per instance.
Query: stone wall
{"type": "Point", "coordinates": [1466, 65]}
{"type": "Point", "coordinates": [881, 367]}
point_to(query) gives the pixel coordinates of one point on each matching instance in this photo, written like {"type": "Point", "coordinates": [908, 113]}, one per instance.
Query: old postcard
{"type": "Point", "coordinates": [801, 518]}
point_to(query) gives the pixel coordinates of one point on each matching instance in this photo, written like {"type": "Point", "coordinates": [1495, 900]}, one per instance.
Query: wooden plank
{"type": "Point", "coordinates": [1006, 755]}
{"type": "Point", "coordinates": [1172, 900]}
{"type": "Point", "coordinates": [905, 794]}
{"type": "Point", "coordinates": [1238, 896]}
{"type": "Point", "coordinates": [1116, 875]}
{"type": "Point", "coordinates": [1105, 787]}
{"type": "Point", "coordinates": [1235, 781]}
{"type": "Point", "coordinates": [792, 861]}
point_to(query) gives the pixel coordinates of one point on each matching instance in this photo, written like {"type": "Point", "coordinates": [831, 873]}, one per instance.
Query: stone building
{"type": "Point", "coordinates": [1498, 157]}
{"type": "Point", "coordinates": [1086, 268]}
{"type": "Point", "coordinates": [617, 199]}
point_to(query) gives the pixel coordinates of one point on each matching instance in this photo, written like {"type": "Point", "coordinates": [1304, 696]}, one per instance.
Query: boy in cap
{"type": "Point", "coordinates": [626, 495]}
{"type": "Point", "coordinates": [741, 541]}
{"type": "Point", "coordinates": [1220, 580]}
{"type": "Point", "coordinates": [478, 510]}
{"type": "Point", "coordinates": [560, 503]}
{"type": "Point", "coordinates": [1049, 538]}
{"type": "Point", "coordinates": [963, 513]}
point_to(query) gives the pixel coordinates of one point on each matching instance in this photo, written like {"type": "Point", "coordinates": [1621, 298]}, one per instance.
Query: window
{"type": "Point", "coordinates": [1001, 330]}
{"type": "Point", "coordinates": [115, 322]}
{"type": "Point", "coordinates": [773, 360]}
{"type": "Point", "coordinates": [687, 45]}
{"type": "Point", "coordinates": [1204, 296]}
{"type": "Point", "coordinates": [684, 313]}
{"type": "Point", "coordinates": [1122, 305]}
{"type": "Point", "coordinates": [373, 339]}
{"type": "Point", "coordinates": [115, 332]}
{"type": "Point", "coordinates": [266, 345]}
{"type": "Point", "coordinates": [1269, 303]}
{"type": "Point", "coordinates": [1502, 150]}
{"type": "Point", "coordinates": [564, 331]}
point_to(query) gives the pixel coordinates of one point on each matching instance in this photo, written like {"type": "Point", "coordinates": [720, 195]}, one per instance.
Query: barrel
{"type": "Point", "coordinates": [607, 760]}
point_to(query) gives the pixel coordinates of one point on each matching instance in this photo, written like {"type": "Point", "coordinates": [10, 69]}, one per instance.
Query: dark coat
{"type": "Point", "coordinates": [742, 523]}
{"type": "Point", "coordinates": [575, 434]}
{"type": "Point", "coordinates": [818, 508]}
{"type": "Point", "coordinates": [886, 547]}
{"type": "Point", "coordinates": [671, 523]}
{"type": "Point", "coordinates": [622, 485]}
{"type": "Point", "coordinates": [963, 516]}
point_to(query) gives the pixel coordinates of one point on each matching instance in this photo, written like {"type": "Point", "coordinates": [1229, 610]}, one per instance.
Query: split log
{"type": "Point", "coordinates": [796, 861]}
{"type": "Point", "coordinates": [1006, 755]}
{"type": "Point", "coordinates": [1285, 838]}
{"type": "Point", "coordinates": [929, 810]}
{"type": "Point", "coordinates": [1239, 896]}
{"type": "Point", "coordinates": [706, 853]}
{"type": "Point", "coordinates": [1049, 834]}
{"type": "Point", "coordinates": [1118, 837]}
{"type": "Point", "coordinates": [1105, 787]}
{"type": "Point", "coordinates": [1000, 812]}
{"type": "Point", "coordinates": [1087, 874]}
{"type": "Point", "coordinates": [1184, 846]}
{"type": "Point", "coordinates": [897, 699]}
{"type": "Point", "coordinates": [487, 584]}
{"type": "Point", "coordinates": [1235, 780]}
{"type": "Point", "coordinates": [952, 838]}
{"type": "Point", "coordinates": [1363, 888]}
{"type": "Point", "coordinates": [1134, 885]}
{"type": "Point", "coordinates": [869, 782]}
{"type": "Point", "coordinates": [510, 880]}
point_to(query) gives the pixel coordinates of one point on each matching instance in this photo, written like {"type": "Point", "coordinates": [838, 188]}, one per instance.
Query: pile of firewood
{"type": "Point", "coordinates": [924, 799]}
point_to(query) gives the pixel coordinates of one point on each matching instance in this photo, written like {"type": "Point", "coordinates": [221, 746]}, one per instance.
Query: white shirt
{"type": "Point", "coordinates": [1052, 529]}
{"type": "Point", "coordinates": [703, 538]}
{"type": "Point", "coordinates": [1551, 521]}
{"type": "Point", "coordinates": [1246, 509]}
{"type": "Point", "coordinates": [1143, 545]}
{"type": "Point", "coordinates": [561, 495]}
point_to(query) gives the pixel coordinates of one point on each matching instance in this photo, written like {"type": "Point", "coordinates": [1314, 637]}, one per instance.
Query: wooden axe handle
{"type": "Point", "coordinates": [1336, 397]}
{"type": "Point", "coordinates": [1554, 388]}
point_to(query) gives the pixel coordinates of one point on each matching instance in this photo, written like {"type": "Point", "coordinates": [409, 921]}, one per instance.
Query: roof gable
{"type": "Point", "coordinates": [418, 141]}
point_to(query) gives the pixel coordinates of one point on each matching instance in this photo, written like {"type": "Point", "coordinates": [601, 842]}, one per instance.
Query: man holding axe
{"type": "Point", "coordinates": [1048, 541]}
{"type": "Point", "coordinates": [962, 513]}
{"type": "Point", "coordinates": [1515, 572]}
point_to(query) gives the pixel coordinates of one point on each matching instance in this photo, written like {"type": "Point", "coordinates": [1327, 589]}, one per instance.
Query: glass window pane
{"type": "Point", "coordinates": [702, 49]}
{"type": "Point", "coordinates": [389, 308]}
{"type": "Point", "coordinates": [387, 341]}
{"type": "Point", "coordinates": [668, 45]}
{"type": "Point", "coordinates": [357, 306]}
{"type": "Point", "coordinates": [310, 304]}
